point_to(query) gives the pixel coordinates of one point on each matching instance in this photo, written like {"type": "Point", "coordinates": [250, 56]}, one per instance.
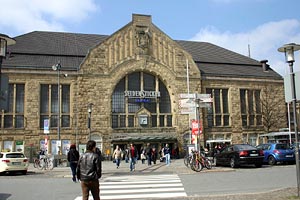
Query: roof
{"type": "Point", "coordinates": [42, 49]}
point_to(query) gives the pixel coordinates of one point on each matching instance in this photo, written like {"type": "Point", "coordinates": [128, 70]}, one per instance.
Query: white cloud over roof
{"type": "Point", "coordinates": [263, 41]}
{"type": "Point", "coordinates": [30, 15]}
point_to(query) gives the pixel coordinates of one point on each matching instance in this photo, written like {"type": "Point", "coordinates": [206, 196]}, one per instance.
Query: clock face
{"type": "Point", "coordinates": [143, 120]}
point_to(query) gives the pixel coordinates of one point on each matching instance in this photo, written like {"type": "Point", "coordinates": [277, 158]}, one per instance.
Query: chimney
{"type": "Point", "coordinates": [264, 64]}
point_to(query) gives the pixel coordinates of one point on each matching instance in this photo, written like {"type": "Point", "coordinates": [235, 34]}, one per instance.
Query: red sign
{"type": "Point", "coordinates": [196, 128]}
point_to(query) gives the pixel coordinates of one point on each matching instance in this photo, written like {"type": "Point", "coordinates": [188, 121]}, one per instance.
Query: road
{"type": "Point", "coordinates": [160, 181]}
{"type": "Point", "coordinates": [242, 180]}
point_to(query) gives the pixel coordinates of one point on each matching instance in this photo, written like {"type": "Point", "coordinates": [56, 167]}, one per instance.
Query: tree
{"type": "Point", "coordinates": [273, 107]}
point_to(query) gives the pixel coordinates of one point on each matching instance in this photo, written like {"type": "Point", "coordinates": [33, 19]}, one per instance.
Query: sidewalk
{"type": "Point", "coordinates": [109, 168]}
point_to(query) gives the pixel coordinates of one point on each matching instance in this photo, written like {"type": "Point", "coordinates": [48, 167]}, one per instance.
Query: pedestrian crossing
{"type": "Point", "coordinates": [141, 187]}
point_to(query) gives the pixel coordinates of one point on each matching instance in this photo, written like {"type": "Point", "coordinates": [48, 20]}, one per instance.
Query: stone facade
{"type": "Point", "coordinates": [138, 46]}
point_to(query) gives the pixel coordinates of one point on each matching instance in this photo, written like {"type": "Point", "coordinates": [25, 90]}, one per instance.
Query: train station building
{"type": "Point", "coordinates": [130, 87]}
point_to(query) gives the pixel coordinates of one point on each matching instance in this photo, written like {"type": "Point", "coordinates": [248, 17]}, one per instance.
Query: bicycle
{"type": "Point", "coordinates": [37, 163]}
{"type": "Point", "coordinates": [46, 162]}
{"type": "Point", "coordinates": [196, 164]}
{"type": "Point", "coordinates": [207, 163]}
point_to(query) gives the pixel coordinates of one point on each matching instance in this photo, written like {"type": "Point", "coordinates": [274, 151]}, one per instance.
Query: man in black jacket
{"type": "Point", "coordinates": [89, 171]}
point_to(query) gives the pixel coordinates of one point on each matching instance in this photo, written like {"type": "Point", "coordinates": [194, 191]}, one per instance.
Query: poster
{"type": "Point", "coordinates": [8, 146]}
{"type": "Point", "coordinates": [82, 148]}
{"type": "Point", "coordinates": [54, 147]}
{"type": "Point", "coordinates": [20, 146]}
{"type": "Point", "coordinates": [65, 146]}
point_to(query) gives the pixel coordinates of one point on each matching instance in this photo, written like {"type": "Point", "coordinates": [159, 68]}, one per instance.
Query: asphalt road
{"type": "Point", "coordinates": [215, 183]}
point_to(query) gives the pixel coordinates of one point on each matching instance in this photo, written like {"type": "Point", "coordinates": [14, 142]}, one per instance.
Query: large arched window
{"type": "Point", "coordinates": [141, 99]}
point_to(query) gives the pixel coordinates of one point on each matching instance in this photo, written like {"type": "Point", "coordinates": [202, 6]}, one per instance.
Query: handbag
{"type": "Point", "coordinates": [114, 161]}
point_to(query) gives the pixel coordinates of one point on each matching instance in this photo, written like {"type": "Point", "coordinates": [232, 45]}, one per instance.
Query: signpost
{"type": "Point", "coordinates": [191, 104]}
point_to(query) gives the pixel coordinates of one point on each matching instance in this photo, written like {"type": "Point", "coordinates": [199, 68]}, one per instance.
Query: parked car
{"type": "Point", "coordinates": [240, 154]}
{"type": "Point", "coordinates": [277, 152]}
{"type": "Point", "coordinates": [13, 162]}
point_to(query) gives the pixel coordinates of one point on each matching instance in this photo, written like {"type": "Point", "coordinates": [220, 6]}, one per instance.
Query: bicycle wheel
{"type": "Point", "coordinates": [50, 164]}
{"type": "Point", "coordinates": [197, 165]}
{"type": "Point", "coordinates": [186, 161]}
{"type": "Point", "coordinates": [41, 164]}
{"type": "Point", "coordinates": [35, 163]}
{"type": "Point", "coordinates": [208, 163]}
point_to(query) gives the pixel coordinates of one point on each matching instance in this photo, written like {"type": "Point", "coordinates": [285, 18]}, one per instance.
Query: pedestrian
{"type": "Point", "coordinates": [133, 154]}
{"type": "Point", "coordinates": [117, 156]}
{"type": "Point", "coordinates": [89, 171]}
{"type": "Point", "coordinates": [126, 152]}
{"type": "Point", "coordinates": [73, 157]}
{"type": "Point", "coordinates": [154, 155]}
{"type": "Point", "coordinates": [143, 156]}
{"type": "Point", "coordinates": [167, 154]}
{"type": "Point", "coordinates": [148, 153]}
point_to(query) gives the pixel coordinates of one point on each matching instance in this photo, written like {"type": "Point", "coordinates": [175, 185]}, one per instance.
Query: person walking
{"type": "Point", "coordinates": [167, 154]}
{"type": "Point", "coordinates": [154, 155]}
{"type": "Point", "coordinates": [117, 156]}
{"type": "Point", "coordinates": [133, 154]}
{"type": "Point", "coordinates": [89, 171]}
{"type": "Point", "coordinates": [149, 153]}
{"type": "Point", "coordinates": [73, 157]}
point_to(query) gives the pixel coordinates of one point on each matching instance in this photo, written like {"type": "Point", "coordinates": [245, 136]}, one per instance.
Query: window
{"type": "Point", "coordinates": [218, 113]}
{"type": "Point", "coordinates": [138, 91]}
{"type": "Point", "coordinates": [14, 117]}
{"type": "Point", "coordinates": [251, 113]}
{"type": "Point", "coordinates": [49, 105]}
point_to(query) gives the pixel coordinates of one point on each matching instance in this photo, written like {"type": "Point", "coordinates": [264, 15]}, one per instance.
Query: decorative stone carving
{"type": "Point", "coordinates": [143, 39]}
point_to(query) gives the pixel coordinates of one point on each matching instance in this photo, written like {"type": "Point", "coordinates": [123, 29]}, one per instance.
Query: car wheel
{"type": "Point", "coordinates": [233, 163]}
{"type": "Point", "coordinates": [271, 160]}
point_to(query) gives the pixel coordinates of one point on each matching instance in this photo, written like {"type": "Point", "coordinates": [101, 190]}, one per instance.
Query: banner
{"type": "Point", "coordinates": [195, 129]}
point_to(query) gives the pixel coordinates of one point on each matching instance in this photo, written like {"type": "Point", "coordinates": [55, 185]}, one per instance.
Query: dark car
{"type": "Point", "coordinates": [277, 152]}
{"type": "Point", "coordinates": [240, 154]}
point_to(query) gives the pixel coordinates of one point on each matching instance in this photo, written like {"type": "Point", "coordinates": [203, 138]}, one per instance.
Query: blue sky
{"type": "Point", "coordinates": [264, 25]}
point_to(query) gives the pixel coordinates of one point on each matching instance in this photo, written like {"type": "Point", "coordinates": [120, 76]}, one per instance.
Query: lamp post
{"type": "Point", "coordinates": [90, 107]}
{"type": "Point", "coordinates": [4, 42]}
{"type": "Point", "coordinates": [57, 68]}
{"type": "Point", "coordinates": [289, 50]}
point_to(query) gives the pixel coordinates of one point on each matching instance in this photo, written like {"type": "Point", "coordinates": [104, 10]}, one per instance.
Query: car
{"type": "Point", "coordinates": [13, 162]}
{"type": "Point", "coordinates": [277, 152]}
{"type": "Point", "coordinates": [240, 154]}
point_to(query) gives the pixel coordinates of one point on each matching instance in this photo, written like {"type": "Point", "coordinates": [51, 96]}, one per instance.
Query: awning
{"type": "Point", "coordinates": [218, 141]}
{"type": "Point", "coordinates": [145, 139]}
{"type": "Point", "coordinates": [276, 134]}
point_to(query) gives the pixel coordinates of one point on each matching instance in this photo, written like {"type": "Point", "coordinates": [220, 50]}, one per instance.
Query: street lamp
{"type": "Point", "coordinates": [289, 50]}
{"type": "Point", "coordinates": [57, 68]}
{"type": "Point", "coordinates": [90, 107]}
{"type": "Point", "coordinates": [4, 42]}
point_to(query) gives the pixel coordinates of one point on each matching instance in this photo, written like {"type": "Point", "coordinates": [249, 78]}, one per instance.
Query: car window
{"type": "Point", "coordinates": [244, 147]}
{"type": "Point", "coordinates": [15, 155]}
{"type": "Point", "coordinates": [281, 146]}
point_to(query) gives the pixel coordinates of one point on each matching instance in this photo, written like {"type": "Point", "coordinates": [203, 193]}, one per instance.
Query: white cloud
{"type": "Point", "coordinates": [264, 41]}
{"type": "Point", "coordinates": [28, 15]}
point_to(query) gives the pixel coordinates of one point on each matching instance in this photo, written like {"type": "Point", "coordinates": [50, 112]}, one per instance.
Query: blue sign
{"type": "Point", "coordinates": [142, 100]}
{"type": "Point", "coordinates": [46, 126]}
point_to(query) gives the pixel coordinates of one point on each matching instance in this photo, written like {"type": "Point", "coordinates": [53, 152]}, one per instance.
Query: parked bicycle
{"type": "Point", "coordinates": [197, 161]}
{"type": "Point", "coordinates": [43, 162]}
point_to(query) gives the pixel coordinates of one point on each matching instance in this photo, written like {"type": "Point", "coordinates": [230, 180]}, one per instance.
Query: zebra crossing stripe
{"type": "Point", "coordinates": [141, 187]}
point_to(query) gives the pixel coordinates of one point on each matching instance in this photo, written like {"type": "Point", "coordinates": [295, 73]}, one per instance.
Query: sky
{"type": "Point", "coordinates": [255, 28]}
